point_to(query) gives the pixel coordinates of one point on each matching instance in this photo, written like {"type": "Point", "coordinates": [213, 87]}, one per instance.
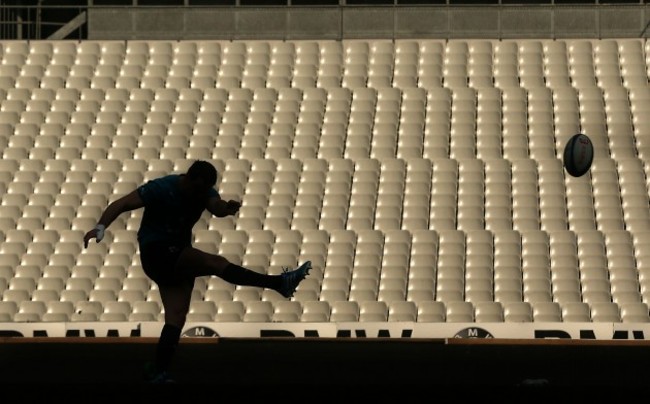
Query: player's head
{"type": "Point", "coordinates": [202, 175]}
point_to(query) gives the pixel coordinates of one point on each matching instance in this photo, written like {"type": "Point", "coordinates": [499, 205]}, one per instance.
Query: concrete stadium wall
{"type": "Point", "coordinates": [365, 22]}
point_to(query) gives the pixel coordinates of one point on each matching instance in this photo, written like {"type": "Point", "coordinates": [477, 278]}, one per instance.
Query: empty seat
{"type": "Point", "coordinates": [232, 311]}
{"type": "Point", "coordinates": [344, 311]}
{"type": "Point", "coordinates": [459, 312]}
{"type": "Point", "coordinates": [576, 312]}
{"type": "Point", "coordinates": [115, 311]}
{"type": "Point", "coordinates": [634, 312]}
{"type": "Point", "coordinates": [547, 312]}
{"type": "Point", "coordinates": [15, 295]}
{"type": "Point", "coordinates": [402, 311]}
{"type": "Point", "coordinates": [58, 311]}
{"type": "Point", "coordinates": [7, 310]}
{"type": "Point", "coordinates": [373, 311]}
{"type": "Point", "coordinates": [315, 311]}
{"type": "Point", "coordinates": [30, 311]}
{"type": "Point", "coordinates": [517, 312]}
{"type": "Point", "coordinates": [258, 311]}
{"type": "Point", "coordinates": [488, 312]}
{"type": "Point", "coordinates": [144, 311]}
{"type": "Point", "coordinates": [431, 311]}
{"type": "Point", "coordinates": [608, 312]}
{"type": "Point", "coordinates": [287, 311]}
{"type": "Point", "coordinates": [87, 311]}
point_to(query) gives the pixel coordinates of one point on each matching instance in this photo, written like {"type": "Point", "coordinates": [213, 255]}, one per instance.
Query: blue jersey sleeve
{"type": "Point", "coordinates": [152, 191]}
{"type": "Point", "coordinates": [213, 193]}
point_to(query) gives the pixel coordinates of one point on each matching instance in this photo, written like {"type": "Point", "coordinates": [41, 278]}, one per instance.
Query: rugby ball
{"type": "Point", "coordinates": [578, 155]}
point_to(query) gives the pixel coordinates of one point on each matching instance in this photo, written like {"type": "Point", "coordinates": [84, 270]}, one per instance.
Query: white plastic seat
{"type": "Point", "coordinates": [488, 311]}
{"type": "Point", "coordinates": [145, 311]}
{"type": "Point", "coordinates": [131, 296]}
{"type": "Point", "coordinates": [517, 312]}
{"type": "Point", "coordinates": [605, 312]}
{"type": "Point", "coordinates": [315, 311]}
{"type": "Point", "coordinates": [258, 311]}
{"type": "Point", "coordinates": [625, 287]}
{"type": "Point", "coordinates": [218, 295]}
{"type": "Point", "coordinates": [402, 311]}
{"type": "Point", "coordinates": [287, 311]}
{"type": "Point", "coordinates": [459, 311]}
{"type": "Point", "coordinates": [373, 311]}
{"type": "Point", "coordinates": [344, 311]}
{"type": "Point", "coordinates": [576, 312]}
{"type": "Point", "coordinates": [636, 312]}
{"type": "Point", "coordinates": [232, 311]}
{"type": "Point", "coordinates": [115, 311]}
{"type": "Point", "coordinates": [508, 290]}
{"type": "Point", "coordinates": [58, 311]}
{"type": "Point", "coordinates": [102, 296]}
{"type": "Point", "coordinates": [547, 312]}
{"type": "Point", "coordinates": [7, 310]}
{"type": "Point", "coordinates": [247, 294]}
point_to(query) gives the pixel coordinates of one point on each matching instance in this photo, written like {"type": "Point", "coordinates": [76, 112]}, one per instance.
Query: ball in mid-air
{"type": "Point", "coordinates": [578, 155]}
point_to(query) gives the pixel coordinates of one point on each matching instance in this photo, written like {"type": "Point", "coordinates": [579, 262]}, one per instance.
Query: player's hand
{"type": "Point", "coordinates": [233, 207]}
{"type": "Point", "coordinates": [96, 233]}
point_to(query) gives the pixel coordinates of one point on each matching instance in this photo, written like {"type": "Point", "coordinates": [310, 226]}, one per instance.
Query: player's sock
{"type": "Point", "coordinates": [166, 347]}
{"type": "Point", "coordinates": [241, 276]}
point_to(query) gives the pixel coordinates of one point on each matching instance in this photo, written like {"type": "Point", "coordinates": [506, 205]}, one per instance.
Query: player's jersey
{"type": "Point", "coordinates": [167, 215]}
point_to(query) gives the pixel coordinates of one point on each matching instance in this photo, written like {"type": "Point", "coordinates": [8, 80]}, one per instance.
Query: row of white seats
{"type": "Point", "coordinates": [492, 108]}
{"type": "Point", "coordinates": [327, 76]}
{"type": "Point", "coordinates": [616, 250]}
{"type": "Point", "coordinates": [331, 51]}
{"type": "Point", "coordinates": [449, 290]}
{"type": "Point", "coordinates": [399, 46]}
{"type": "Point", "coordinates": [323, 311]}
{"type": "Point", "coordinates": [506, 102]}
{"type": "Point", "coordinates": [335, 77]}
{"type": "Point", "coordinates": [287, 97]}
{"type": "Point", "coordinates": [440, 143]}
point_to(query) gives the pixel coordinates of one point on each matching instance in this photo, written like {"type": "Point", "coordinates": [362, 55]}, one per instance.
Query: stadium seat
{"type": "Point", "coordinates": [605, 312]}
{"type": "Point", "coordinates": [402, 311]}
{"type": "Point", "coordinates": [230, 311]}
{"type": "Point", "coordinates": [287, 311]}
{"type": "Point", "coordinates": [517, 312]}
{"type": "Point", "coordinates": [258, 311]}
{"type": "Point", "coordinates": [459, 312]}
{"type": "Point", "coordinates": [576, 312]}
{"type": "Point", "coordinates": [344, 311]}
{"type": "Point", "coordinates": [636, 312]}
{"type": "Point", "coordinates": [373, 311]}
{"type": "Point", "coordinates": [315, 311]}
{"type": "Point", "coordinates": [488, 312]}
{"type": "Point", "coordinates": [547, 312]}
{"type": "Point", "coordinates": [58, 311]}
{"type": "Point", "coordinates": [144, 311]}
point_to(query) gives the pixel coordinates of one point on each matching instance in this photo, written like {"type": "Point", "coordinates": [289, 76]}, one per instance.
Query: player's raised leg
{"type": "Point", "coordinates": [200, 263]}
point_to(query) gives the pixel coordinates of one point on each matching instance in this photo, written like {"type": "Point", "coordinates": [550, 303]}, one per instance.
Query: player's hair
{"type": "Point", "coordinates": [203, 170]}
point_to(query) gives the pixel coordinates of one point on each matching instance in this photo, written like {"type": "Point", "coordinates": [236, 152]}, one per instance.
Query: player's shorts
{"type": "Point", "coordinates": [159, 260]}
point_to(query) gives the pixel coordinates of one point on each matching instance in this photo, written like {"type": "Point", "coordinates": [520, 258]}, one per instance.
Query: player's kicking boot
{"type": "Point", "coordinates": [291, 279]}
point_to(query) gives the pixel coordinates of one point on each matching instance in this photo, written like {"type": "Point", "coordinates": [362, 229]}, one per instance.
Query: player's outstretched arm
{"type": "Point", "coordinates": [222, 208]}
{"type": "Point", "coordinates": [126, 203]}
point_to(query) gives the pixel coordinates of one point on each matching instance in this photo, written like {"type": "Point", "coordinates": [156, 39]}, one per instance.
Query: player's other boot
{"type": "Point", "coordinates": [154, 376]}
{"type": "Point", "coordinates": [291, 279]}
